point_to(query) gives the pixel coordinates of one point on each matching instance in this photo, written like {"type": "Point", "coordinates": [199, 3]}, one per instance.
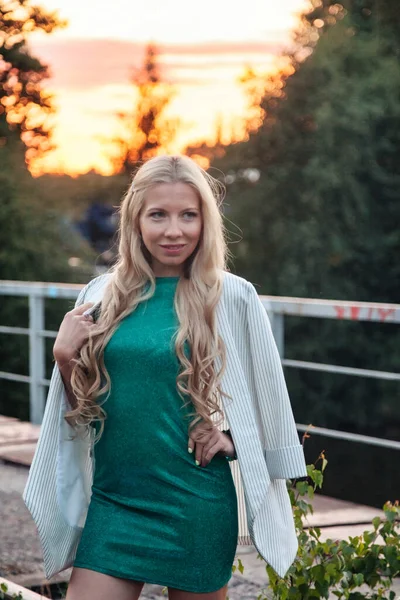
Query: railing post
{"type": "Point", "coordinates": [278, 329]}
{"type": "Point", "coordinates": [36, 359]}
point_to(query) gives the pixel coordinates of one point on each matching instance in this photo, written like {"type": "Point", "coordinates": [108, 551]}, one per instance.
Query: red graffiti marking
{"type": "Point", "coordinates": [384, 313]}
{"type": "Point", "coordinates": [340, 310]}
{"type": "Point", "coordinates": [355, 312]}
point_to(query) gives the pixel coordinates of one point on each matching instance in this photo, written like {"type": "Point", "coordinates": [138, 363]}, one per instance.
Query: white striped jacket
{"type": "Point", "coordinates": [259, 417]}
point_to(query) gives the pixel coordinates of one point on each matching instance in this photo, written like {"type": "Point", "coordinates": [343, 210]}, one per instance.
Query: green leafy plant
{"type": "Point", "coordinates": [360, 568]}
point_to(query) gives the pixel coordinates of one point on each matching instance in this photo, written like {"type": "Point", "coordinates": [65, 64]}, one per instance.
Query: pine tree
{"type": "Point", "coordinates": [145, 131]}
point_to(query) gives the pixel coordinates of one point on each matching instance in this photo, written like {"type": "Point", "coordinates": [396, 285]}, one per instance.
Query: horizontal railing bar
{"type": "Point", "coordinates": [23, 331]}
{"type": "Point", "coordinates": [15, 377]}
{"type": "Point", "coordinates": [14, 330]}
{"type": "Point", "coordinates": [333, 309]}
{"type": "Point", "coordinates": [67, 291]}
{"type": "Point", "coordinates": [305, 307]}
{"type": "Point", "coordinates": [351, 437]}
{"type": "Point", "coordinates": [47, 333]}
{"type": "Point", "coordinates": [302, 364]}
{"type": "Point", "coordinates": [21, 378]}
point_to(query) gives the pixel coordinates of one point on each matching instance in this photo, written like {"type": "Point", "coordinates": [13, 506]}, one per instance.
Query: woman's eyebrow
{"type": "Point", "coordinates": [165, 210]}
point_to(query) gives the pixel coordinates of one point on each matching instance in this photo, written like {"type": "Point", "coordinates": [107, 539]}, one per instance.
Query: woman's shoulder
{"type": "Point", "coordinates": [237, 293]}
{"type": "Point", "coordinates": [236, 286]}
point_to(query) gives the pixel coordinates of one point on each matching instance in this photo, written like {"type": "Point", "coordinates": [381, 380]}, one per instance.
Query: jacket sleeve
{"type": "Point", "coordinates": [283, 452]}
{"type": "Point", "coordinates": [74, 462]}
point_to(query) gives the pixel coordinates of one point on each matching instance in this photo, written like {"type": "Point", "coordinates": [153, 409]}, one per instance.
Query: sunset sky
{"type": "Point", "coordinates": [204, 49]}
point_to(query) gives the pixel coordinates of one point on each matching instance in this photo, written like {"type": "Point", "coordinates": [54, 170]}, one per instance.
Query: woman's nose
{"type": "Point", "coordinates": [173, 229]}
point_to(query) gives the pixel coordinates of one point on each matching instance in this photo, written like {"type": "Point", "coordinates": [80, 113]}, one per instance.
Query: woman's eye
{"type": "Point", "coordinates": [189, 215]}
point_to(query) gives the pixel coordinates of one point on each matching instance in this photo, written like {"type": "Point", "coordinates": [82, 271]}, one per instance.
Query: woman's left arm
{"type": "Point", "coordinates": [283, 452]}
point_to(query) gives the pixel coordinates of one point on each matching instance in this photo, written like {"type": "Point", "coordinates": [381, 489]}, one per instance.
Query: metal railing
{"type": "Point", "coordinates": [277, 308]}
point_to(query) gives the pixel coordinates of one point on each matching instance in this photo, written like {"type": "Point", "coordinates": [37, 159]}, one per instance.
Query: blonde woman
{"type": "Point", "coordinates": [134, 479]}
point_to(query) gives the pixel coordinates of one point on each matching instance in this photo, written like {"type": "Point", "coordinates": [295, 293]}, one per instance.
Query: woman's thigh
{"type": "Point", "coordinates": [86, 584]}
{"type": "Point", "coordinates": [174, 594]}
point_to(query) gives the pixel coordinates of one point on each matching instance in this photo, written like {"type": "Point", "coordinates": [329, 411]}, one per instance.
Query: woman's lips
{"type": "Point", "coordinates": [173, 248]}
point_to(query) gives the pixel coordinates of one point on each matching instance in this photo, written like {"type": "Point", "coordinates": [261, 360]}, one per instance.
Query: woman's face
{"type": "Point", "coordinates": [170, 223]}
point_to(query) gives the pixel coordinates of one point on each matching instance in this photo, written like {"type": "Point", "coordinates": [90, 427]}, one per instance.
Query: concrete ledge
{"type": "Point", "coordinates": [14, 588]}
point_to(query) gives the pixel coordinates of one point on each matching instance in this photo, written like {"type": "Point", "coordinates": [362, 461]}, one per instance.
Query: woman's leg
{"type": "Point", "coordinates": [174, 594]}
{"type": "Point", "coordinates": [86, 584]}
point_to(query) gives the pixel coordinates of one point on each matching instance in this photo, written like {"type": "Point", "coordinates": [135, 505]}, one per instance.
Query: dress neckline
{"type": "Point", "coordinates": [174, 278]}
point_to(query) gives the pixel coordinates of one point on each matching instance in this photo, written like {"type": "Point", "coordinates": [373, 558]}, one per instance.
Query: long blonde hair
{"type": "Point", "coordinates": [197, 295]}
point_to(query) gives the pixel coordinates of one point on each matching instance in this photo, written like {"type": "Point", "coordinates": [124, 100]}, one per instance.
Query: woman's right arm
{"type": "Point", "coordinates": [66, 371]}
{"type": "Point", "coordinates": [73, 333]}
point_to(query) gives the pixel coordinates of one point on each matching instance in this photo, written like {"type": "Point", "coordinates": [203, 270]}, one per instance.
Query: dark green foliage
{"type": "Point", "coordinates": [36, 242]}
{"type": "Point", "coordinates": [34, 247]}
{"type": "Point", "coordinates": [323, 219]}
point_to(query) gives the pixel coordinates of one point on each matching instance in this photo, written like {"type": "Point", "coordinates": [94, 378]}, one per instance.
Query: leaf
{"type": "Point", "coordinates": [358, 579]}
{"type": "Point", "coordinates": [302, 487]}
{"type": "Point", "coordinates": [318, 478]}
{"type": "Point", "coordinates": [376, 521]}
{"type": "Point", "coordinates": [241, 567]}
{"type": "Point", "coordinates": [369, 537]}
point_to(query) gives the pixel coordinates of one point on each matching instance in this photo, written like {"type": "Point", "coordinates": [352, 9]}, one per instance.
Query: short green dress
{"type": "Point", "coordinates": [154, 515]}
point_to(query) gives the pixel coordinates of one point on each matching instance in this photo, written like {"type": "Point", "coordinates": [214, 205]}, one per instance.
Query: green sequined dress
{"type": "Point", "coordinates": [154, 515]}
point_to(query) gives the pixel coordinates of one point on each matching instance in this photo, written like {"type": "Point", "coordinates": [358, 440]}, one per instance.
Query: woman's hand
{"type": "Point", "coordinates": [206, 440]}
{"type": "Point", "coordinates": [73, 332]}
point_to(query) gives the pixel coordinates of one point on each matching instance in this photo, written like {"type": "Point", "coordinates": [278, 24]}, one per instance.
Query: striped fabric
{"type": "Point", "coordinates": [259, 417]}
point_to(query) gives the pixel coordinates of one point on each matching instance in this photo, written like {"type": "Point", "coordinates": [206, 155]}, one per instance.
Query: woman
{"type": "Point", "coordinates": [175, 349]}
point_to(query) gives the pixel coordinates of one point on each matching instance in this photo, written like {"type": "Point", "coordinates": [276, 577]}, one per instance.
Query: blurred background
{"type": "Point", "coordinates": [294, 105]}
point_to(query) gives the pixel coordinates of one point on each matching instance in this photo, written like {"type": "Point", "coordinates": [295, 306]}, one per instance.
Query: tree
{"type": "Point", "coordinates": [327, 149]}
{"type": "Point", "coordinates": [33, 247]}
{"type": "Point", "coordinates": [35, 242]}
{"type": "Point", "coordinates": [377, 17]}
{"type": "Point", "coordinates": [145, 131]}
{"type": "Point", "coordinates": [322, 221]}
{"type": "Point", "coordinates": [24, 105]}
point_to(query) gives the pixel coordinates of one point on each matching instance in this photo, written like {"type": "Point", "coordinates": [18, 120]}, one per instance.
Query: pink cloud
{"type": "Point", "coordinates": [77, 64]}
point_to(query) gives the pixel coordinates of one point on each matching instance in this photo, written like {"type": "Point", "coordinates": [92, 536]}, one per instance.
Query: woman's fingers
{"type": "Point", "coordinates": [209, 453]}
{"type": "Point", "coordinates": [191, 445]}
{"type": "Point", "coordinates": [79, 310]}
{"type": "Point", "coordinates": [73, 333]}
{"type": "Point", "coordinates": [205, 443]}
{"type": "Point", "coordinates": [210, 449]}
{"type": "Point", "coordinates": [198, 452]}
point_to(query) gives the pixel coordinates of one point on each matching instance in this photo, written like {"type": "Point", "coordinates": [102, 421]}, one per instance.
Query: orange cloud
{"type": "Point", "coordinates": [90, 80]}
